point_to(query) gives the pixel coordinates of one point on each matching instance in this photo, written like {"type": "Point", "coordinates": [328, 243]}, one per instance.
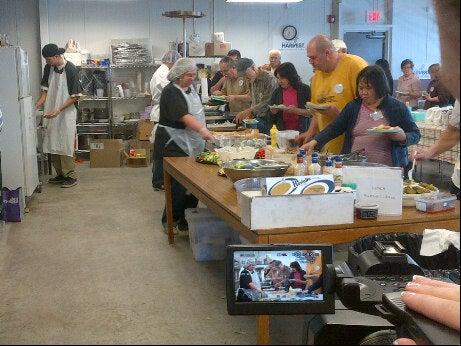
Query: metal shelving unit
{"type": "Point", "coordinates": [92, 102]}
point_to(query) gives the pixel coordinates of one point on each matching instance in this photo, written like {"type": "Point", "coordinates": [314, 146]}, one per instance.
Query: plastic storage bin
{"type": "Point", "coordinates": [247, 184]}
{"type": "Point", "coordinates": [284, 137]}
{"type": "Point", "coordinates": [209, 235]}
{"type": "Point", "coordinates": [433, 204]}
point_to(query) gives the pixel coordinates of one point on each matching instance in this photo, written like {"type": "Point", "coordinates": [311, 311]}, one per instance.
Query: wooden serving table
{"type": "Point", "coordinates": [219, 195]}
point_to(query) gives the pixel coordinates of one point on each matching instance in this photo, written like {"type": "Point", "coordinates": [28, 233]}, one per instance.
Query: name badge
{"type": "Point", "coordinates": [339, 88]}
{"type": "Point", "coordinates": [377, 115]}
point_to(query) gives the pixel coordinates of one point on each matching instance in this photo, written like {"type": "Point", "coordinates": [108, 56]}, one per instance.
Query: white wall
{"type": "Point", "coordinates": [411, 24]}
{"type": "Point", "coordinates": [253, 29]}
{"type": "Point", "coordinates": [19, 19]}
{"type": "Point", "coordinates": [416, 36]}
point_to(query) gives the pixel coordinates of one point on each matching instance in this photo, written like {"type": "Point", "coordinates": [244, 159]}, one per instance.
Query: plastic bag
{"type": "Point", "coordinates": [72, 46]}
{"type": "Point", "coordinates": [12, 204]}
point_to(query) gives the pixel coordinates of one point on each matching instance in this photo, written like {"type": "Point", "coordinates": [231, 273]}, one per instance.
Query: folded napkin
{"type": "Point", "coordinates": [436, 241]}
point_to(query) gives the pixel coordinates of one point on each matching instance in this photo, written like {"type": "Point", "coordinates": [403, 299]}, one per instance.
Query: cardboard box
{"type": "Point", "coordinates": [146, 145]}
{"type": "Point", "coordinates": [139, 159]}
{"type": "Point", "coordinates": [268, 212]}
{"type": "Point", "coordinates": [144, 130]}
{"type": "Point", "coordinates": [106, 153]}
{"type": "Point", "coordinates": [217, 48]}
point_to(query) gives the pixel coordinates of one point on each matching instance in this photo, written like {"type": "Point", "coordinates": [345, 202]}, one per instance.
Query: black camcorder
{"type": "Point", "coordinates": [302, 279]}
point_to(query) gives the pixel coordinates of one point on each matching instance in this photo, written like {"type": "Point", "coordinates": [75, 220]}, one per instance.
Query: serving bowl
{"type": "Point", "coordinates": [241, 169]}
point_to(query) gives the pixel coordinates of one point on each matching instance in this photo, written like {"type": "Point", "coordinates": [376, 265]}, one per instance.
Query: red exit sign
{"type": "Point", "coordinates": [373, 16]}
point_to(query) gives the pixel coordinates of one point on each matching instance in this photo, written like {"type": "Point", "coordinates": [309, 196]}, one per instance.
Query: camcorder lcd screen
{"type": "Point", "coordinates": [278, 279]}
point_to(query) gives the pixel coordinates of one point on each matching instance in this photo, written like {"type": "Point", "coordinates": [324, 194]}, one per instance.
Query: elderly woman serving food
{"type": "Point", "coordinates": [375, 122]}
{"type": "Point", "coordinates": [181, 131]}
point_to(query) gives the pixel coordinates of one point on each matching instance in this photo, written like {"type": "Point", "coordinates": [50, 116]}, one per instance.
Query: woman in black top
{"type": "Point", "coordinates": [384, 64]}
{"type": "Point", "coordinates": [293, 95]}
{"type": "Point", "coordinates": [181, 130]}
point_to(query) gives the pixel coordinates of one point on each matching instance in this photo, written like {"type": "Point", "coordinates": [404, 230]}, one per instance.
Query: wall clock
{"type": "Point", "coordinates": [289, 32]}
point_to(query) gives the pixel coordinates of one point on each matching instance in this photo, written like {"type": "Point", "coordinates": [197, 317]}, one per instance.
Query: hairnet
{"type": "Point", "coordinates": [171, 56]}
{"type": "Point", "coordinates": [181, 67]}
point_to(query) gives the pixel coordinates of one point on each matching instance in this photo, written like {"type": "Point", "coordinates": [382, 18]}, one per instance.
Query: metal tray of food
{"type": "Point", "coordinates": [240, 169]}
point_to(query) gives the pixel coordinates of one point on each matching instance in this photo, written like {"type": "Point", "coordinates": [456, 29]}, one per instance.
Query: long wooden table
{"type": "Point", "coordinates": [218, 194]}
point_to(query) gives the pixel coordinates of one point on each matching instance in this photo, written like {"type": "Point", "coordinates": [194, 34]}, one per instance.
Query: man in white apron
{"type": "Point", "coordinates": [60, 91]}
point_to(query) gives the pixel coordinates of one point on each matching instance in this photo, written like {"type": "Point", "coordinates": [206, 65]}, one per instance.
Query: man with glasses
{"type": "Point", "coordinates": [334, 84]}
{"type": "Point", "coordinates": [219, 78]}
{"type": "Point", "coordinates": [235, 88]}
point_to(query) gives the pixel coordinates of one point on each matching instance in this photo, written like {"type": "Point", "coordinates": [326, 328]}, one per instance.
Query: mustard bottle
{"type": "Point", "coordinates": [273, 134]}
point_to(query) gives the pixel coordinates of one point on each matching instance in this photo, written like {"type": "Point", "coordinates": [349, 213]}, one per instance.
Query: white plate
{"type": "Point", "coordinates": [280, 107]}
{"type": "Point", "coordinates": [317, 107]}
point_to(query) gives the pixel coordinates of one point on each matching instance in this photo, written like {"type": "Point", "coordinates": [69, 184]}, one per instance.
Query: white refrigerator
{"type": "Point", "coordinates": [18, 138]}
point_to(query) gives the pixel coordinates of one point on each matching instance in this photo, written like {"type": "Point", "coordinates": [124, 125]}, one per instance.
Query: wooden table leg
{"type": "Point", "coordinates": [169, 205]}
{"type": "Point", "coordinates": [262, 326]}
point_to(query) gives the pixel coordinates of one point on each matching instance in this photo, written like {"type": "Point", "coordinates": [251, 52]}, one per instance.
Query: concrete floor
{"type": "Point", "coordinates": [91, 265]}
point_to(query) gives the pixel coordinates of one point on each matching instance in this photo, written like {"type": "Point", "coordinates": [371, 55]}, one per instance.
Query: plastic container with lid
{"type": "Point", "coordinates": [366, 211]}
{"type": "Point", "coordinates": [433, 204]}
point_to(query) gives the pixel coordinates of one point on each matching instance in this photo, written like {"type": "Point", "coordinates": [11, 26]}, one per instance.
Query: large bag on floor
{"type": "Point", "coordinates": [12, 205]}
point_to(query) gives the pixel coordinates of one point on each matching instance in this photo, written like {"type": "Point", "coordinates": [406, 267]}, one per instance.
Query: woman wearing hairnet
{"type": "Point", "coordinates": [157, 83]}
{"type": "Point", "coordinates": [181, 130]}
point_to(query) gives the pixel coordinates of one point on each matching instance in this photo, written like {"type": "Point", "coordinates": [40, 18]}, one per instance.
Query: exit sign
{"type": "Point", "coordinates": [373, 16]}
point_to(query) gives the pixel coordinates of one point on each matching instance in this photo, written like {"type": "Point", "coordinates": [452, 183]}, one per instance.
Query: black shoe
{"type": "Point", "coordinates": [59, 179]}
{"type": "Point", "coordinates": [69, 182]}
{"type": "Point", "coordinates": [175, 227]}
{"type": "Point", "coordinates": [183, 226]}
{"type": "Point", "coordinates": [158, 187]}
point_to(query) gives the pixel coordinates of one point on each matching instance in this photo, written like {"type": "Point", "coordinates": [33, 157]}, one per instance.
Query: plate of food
{"type": "Point", "coordinates": [383, 129]}
{"type": "Point", "coordinates": [413, 189]}
{"type": "Point", "coordinates": [278, 107]}
{"type": "Point", "coordinates": [220, 99]}
{"type": "Point", "coordinates": [317, 107]}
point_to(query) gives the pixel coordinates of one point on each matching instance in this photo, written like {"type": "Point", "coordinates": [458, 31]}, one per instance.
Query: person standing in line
{"type": "Point", "coordinates": [61, 89]}
{"type": "Point", "coordinates": [436, 93]}
{"type": "Point", "coordinates": [275, 60]}
{"type": "Point", "coordinates": [334, 84]}
{"type": "Point", "coordinates": [409, 85]}
{"type": "Point", "coordinates": [293, 94]}
{"type": "Point", "coordinates": [218, 79]}
{"type": "Point", "coordinates": [235, 88]}
{"type": "Point", "coordinates": [157, 83]}
{"type": "Point", "coordinates": [340, 45]}
{"type": "Point", "coordinates": [384, 64]}
{"type": "Point", "coordinates": [262, 85]}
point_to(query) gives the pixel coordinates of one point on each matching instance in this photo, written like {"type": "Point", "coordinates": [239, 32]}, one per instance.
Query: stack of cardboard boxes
{"type": "Point", "coordinates": [109, 153]}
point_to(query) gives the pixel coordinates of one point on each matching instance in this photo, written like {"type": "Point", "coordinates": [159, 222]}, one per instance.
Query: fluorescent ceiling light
{"type": "Point", "coordinates": [266, 1]}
